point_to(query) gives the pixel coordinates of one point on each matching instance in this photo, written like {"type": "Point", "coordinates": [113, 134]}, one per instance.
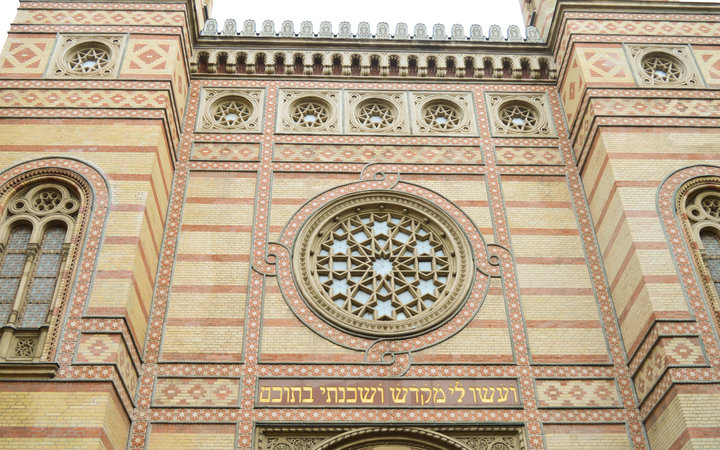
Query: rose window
{"type": "Point", "coordinates": [376, 115]}
{"type": "Point", "coordinates": [711, 205]}
{"type": "Point", "coordinates": [47, 200]}
{"type": "Point", "coordinates": [518, 117]}
{"type": "Point", "coordinates": [663, 68]}
{"type": "Point", "coordinates": [383, 266]}
{"type": "Point", "coordinates": [441, 116]}
{"type": "Point", "coordinates": [88, 59]}
{"type": "Point", "coordinates": [232, 112]}
{"type": "Point", "coordinates": [311, 113]}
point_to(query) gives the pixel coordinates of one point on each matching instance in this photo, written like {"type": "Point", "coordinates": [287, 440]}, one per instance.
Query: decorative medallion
{"type": "Point", "coordinates": [96, 56]}
{"type": "Point", "coordinates": [664, 66]}
{"type": "Point", "coordinates": [443, 113]}
{"type": "Point", "coordinates": [308, 111]}
{"type": "Point", "coordinates": [231, 110]}
{"type": "Point", "coordinates": [519, 115]}
{"type": "Point", "coordinates": [383, 264]}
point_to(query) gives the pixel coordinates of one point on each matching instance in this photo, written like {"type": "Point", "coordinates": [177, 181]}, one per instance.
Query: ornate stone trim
{"type": "Point", "coordinates": [382, 264]}
{"type": "Point", "coordinates": [363, 438]}
{"type": "Point", "coordinates": [664, 66]}
{"type": "Point", "coordinates": [231, 110]}
{"type": "Point", "coordinates": [287, 30]}
{"type": "Point", "coordinates": [383, 64]}
{"type": "Point", "coordinates": [519, 115]}
{"type": "Point", "coordinates": [308, 111]}
{"type": "Point", "coordinates": [379, 112]}
{"type": "Point", "coordinates": [443, 113]}
{"type": "Point", "coordinates": [86, 56]}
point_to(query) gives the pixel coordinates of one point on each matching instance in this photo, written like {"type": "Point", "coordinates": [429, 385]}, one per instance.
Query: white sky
{"type": "Point", "coordinates": [429, 12]}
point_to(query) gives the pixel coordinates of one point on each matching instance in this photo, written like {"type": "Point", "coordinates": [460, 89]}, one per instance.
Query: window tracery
{"type": "Point", "coordinates": [702, 209]}
{"type": "Point", "coordinates": [36, 234]}
{"type": "Point", "coordinates": [664, 66]}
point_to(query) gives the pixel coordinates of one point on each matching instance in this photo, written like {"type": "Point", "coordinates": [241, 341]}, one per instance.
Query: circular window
{"type": "Point", "coordinates": [231, 111]}
{"type": "Point", "coordinates": [518, 117]}
{"type": "Point", "coordinates": [441, 115]}
{"type": "Point", "coordinates": [47, 200]}
{"type": "Point", "coordinates": [383, 264]}
{"type": "Point", "coordinates": [310, 113]}
{"type": "Point", "coordinates": [376, 114]}
{"type": "Point", "coordinates": [89, 58]}
{"type": "Point", "coordinates": [663, 68]}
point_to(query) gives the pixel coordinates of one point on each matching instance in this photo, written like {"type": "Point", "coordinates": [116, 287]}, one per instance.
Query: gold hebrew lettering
{"type": "Point", "coordinates": [264, 390]}
{"type": "Point", "coordinates": [416, 391]}
{"type": "Point", "coordinates": [501, 391]}
{"type": "Point", "coordinates": [342, 390]}
{"type": "Point", "coordinates": [398, 397]}
{"type": "Point", "coordinates": [424, 399]}
{"type": "Point", "coordinates": [287, 395]}
{"type": "Point", "coordinates": [367, 394]}
{"type": "Point", "coordinates": [381, 390]}
{"type": "Point", "coordinates": [484, 397]}
{"type": "Point", "coordinates": [332, 389]}
{"type": "Point", "coordinates": [295, 389]}
{"type": "Point", "coordinates": [354, 391]}
{"type": "Point", "coordinates": [436, 391]}
{"type": "Point", "coordinates": [458, 388]}
{"type": "Point", "coordinates": [308, 399]}
{"type": "Point", "coordinates": [277, 400]}
{"type": "Point", "coordinates": [514, 393]}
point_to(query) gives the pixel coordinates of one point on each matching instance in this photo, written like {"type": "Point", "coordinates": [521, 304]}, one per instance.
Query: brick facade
{"type": "Point", "coordinates": [589, 320]}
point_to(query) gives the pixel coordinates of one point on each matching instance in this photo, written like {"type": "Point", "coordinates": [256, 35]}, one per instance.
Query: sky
{"type": "Point", "coordinates": [429, 12]}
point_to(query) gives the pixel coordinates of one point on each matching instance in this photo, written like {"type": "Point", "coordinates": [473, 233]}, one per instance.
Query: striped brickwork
{"type": "Point", "coordinates": [626, 152]}
{"type": "Point", "coordinates": [185, 322]}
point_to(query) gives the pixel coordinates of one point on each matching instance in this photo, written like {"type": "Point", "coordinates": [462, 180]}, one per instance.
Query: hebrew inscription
{"type": "Point", "coordinates": [405, 393]}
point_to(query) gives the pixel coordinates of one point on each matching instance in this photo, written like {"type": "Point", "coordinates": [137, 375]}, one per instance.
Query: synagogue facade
{"type": "Point", "coordinates": [284, 236]}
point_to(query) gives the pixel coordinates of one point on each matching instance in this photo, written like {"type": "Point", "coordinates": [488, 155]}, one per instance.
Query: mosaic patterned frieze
{"type": "Point", "coordinates": [675, 351]}
{"type": "Point", "coordinates": [577, 393]}
{"type": "Point", "coordinates": [86, 56]}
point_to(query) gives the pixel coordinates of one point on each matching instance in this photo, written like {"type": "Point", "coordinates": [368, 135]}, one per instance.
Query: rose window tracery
{"type": "Point", "coordinates": [441, 116]}
{"type": "Point", "coordinates": [232, 112]}
{"type": "Point", "coordinates": [88, 59]}
{"type": "Point", "coordinates": [383, 265]}
{"type": "Point", "coordinates": [376, 115]}
{"type": "Point", "coordinates": [310, 113]}
{"type": "Point", "coordinates": [518, 117]}
{"type": "Point", "coordinates": [663, 68]}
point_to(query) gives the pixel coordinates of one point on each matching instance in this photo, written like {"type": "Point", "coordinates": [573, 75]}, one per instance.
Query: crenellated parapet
{"type": "Point", "coordinates": [402, 33]}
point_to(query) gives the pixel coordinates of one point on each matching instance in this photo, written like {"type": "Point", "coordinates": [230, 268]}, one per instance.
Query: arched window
{"type": "Point", "coordinates": [35, 236]}
{"type": "Point", "coordinates": [702, 209]}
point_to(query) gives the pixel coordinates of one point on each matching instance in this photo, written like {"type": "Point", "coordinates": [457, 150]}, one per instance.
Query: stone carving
{"type": "Point", "coordinates": [364, 31]}
{"type": "Point", "coordinates": [420, 31]}
{"type": "Point", "coordinates": [659, 66]}
{"type": "Point", "coordinates": [210, 28]}
{"type": "Point", "coordinates": [383, 31]}
{"type": "Point", "coordinates": [229, 28]}
{"type": "Point", "coordinates": [446, 114]}
{"type": "Point", "coordinates": [309, 111]}
{"type": "Point", "coordinates": [376, 112]}
{"type": "Point", "coordinates": [306, 29]}
{"type": "Point", "coordinates": [496, 33]}
{"type": "Point", "coordinates": [439, 32]}
{"type": "Point", "coordinates": [230, 110]}
{"type": "Point", "coordinates": [514, 34]}
{"type": "Point", "coordinates": [476, 33]}
{"type": "Point", "coordinates": [249, 28]}
{"type": "Point", "coordinates": [345, 31]}
{"type": "Point", "coordinates": [401, 31]}
{"type": "Point", "coordinates": [325, 30]}
{"type": "Point", "coordinates": [86, 56]}
{"type": "Point", "coordinates": [287, 29]}
{"type": "Point", "coordinates": [268, 28]}
{"type": "Point", "coordinates": [533, 34]}
{"type": "Point", "coordinates": [457, 32]}
{"type": "Point", "coordinates": [514, 115]}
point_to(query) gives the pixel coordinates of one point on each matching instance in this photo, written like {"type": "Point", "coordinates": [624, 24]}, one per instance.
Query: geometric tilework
{"type": "Point", "coordinates": [384, 153]}
{"type": "Point", "coordinates": [216, 392]}
{"type": "Point", "coordinates": [76, 98]}
{"type": "Point", "coordinates": [25, 57]}
{"type": "Point", "coordinates": [669, 351]}
{"type": "Point", "coordinates": [225, 152]}
{"type": "Point", "coordinates": [577, 393]}
{"type": "Point", "coordinates": [99, 17]}
{"type": "Point", "coordinates": [107, 349]}
{"type": "Point", "coordinates": [528, 155]}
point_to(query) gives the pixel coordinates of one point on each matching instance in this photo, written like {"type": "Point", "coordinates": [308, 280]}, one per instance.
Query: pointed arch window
{"type": "Point", "coordinates": [702, 208]}
{"type": "Point", "coordinates": [35, 237]}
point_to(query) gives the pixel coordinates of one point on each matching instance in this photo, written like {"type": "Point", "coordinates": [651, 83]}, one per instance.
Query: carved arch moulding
{"type": "Point", "coordinates": [92, 192]}
{"type": "Point", "coordinates": [382, 266]}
